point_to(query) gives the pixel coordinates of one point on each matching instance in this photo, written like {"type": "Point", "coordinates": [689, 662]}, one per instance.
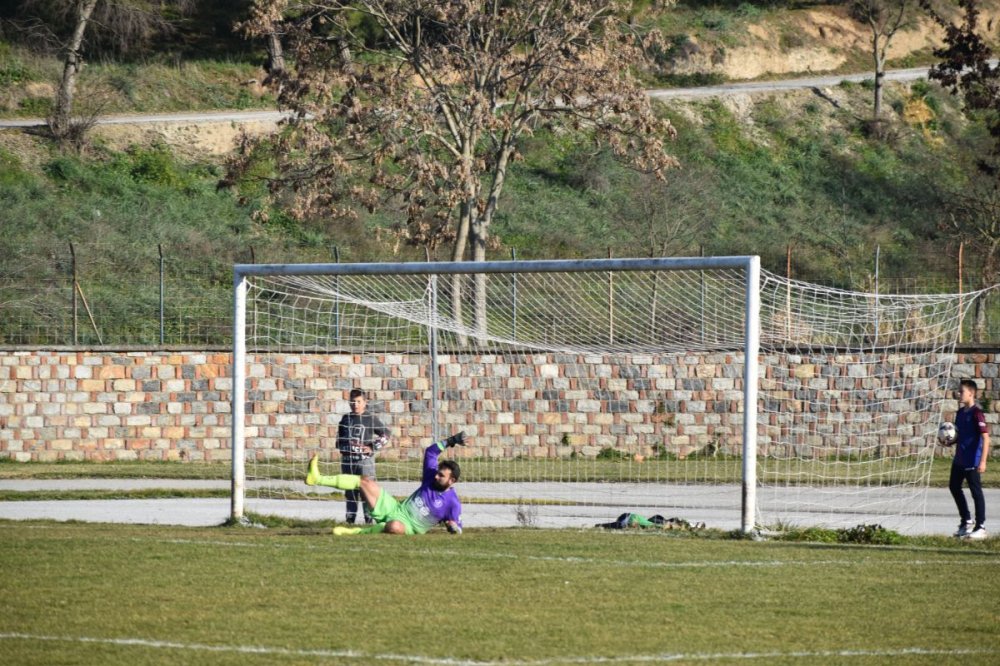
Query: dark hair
{"type": "Point", "coordinates": [357, 393]}
{"type": "Point", "coordinates": [970, 383]}
{"type": "Point", "coordinates": [453, 466]}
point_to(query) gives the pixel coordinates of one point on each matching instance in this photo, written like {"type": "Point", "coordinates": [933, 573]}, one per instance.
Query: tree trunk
{"type": "Point", "coordinates": [61, 115]}
{"type": "Point", "coordinates": [344, 53]}
{"type": "Point", "coordinates": [979, 318]}
{"type": "Point", "coordinates": [480, 229]}
{"type": "Point", "coordinates": [879, 84]}
{"type": "Point", "coordinates": [275, 52]}
{"type": "Point", "coordinates": [458, 254]}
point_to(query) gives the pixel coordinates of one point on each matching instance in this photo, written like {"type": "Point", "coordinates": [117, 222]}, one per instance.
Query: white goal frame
{"type": "Point", "coordinates": [749, 264]}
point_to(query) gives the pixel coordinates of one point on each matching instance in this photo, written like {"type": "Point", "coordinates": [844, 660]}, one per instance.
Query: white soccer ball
{"type": "Point", "coordinates": [947, 434]}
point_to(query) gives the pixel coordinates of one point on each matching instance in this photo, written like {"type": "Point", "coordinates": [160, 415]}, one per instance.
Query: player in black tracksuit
{"type": "Point", "coordinates": [359, 438]}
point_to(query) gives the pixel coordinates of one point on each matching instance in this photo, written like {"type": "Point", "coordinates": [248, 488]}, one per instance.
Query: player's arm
{"type": "Point", "coordinates": [381, 434]}
{"type": "Point", "coordinates": [344, 436]}
{"type": "Point", "coordinates": [986, 452]}
{"type": "Point", "coordinates": [432, 452]}
{"type": "Point", "coordinates": [453, 521]}
{"type": "Point", "coordinates": [984, 432]}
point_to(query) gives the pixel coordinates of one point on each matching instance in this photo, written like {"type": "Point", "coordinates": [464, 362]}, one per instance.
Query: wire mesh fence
{"type": "Point", "coordinates": [80, 302]}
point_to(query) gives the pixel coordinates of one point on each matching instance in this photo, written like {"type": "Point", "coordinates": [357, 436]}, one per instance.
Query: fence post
{"type": "Point", "coordinates": [701, 293]}
{"type": "Point", "coordinates": [878, 252]}
{"type": "Point", "coordinates": [513, 297]}
{"type": "Point", "coordinates": [611, 304]}
{"type": "Point", "coordinates": [159, 249]}
{"type": "Point", "coordinates": [432, 343]}
{"type": "Point", "coordinates": [72, 254]}
{"type": "Point", "coordinates": [961, 298]}
{"type": "Point", "coordinates": [788, 292]}
{"type": "Point", "coordinates": [336, 303]}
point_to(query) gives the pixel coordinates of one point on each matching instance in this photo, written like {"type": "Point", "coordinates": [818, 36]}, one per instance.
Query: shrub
{"type": "Point", "coordinates": [869, 534]}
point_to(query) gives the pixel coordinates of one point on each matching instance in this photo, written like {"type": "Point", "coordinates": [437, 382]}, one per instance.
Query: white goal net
{"type": "Point", "coordinates": [594, 388]}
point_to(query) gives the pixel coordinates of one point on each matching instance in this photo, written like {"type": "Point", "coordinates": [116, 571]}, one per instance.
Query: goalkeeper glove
{"type": "Point", "coordinates": [456, 440]}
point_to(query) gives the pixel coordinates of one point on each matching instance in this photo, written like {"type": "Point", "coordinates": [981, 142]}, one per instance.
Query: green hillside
{"type": "Point", "coordinates": [758, 174]}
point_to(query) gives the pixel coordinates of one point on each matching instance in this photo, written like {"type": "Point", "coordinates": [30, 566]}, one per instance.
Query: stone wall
{"type": "Point", "coordinates": [174, 405]}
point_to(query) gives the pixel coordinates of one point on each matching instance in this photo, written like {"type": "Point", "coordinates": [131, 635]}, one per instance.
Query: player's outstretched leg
{"type": "Point", "coordinates": [340, 481]}
{"type": "Point", "coordinates": [340, 530]}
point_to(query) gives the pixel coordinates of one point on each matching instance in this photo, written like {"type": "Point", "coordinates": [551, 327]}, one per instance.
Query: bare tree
{"type": "Point", "coordinates": [434, 113]}
{"type": "Point", "coordinates": [884, 18]}
{"type": "Point", "coordinates": [61, 120]}
{"type": "Point", "coordinates": [126, 22]}
{"type": "Point", "coordinates": [975, 218]}
{"type": "Point", "coordinates": [966, 70]}
{"type": "Point", "coordinates": [655, 218]}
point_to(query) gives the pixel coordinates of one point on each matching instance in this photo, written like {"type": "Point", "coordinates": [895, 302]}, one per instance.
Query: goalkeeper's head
{"type": "Point", "coordinates": [358, 401]}
{"type": "Point", "coordinates": [447, 475]}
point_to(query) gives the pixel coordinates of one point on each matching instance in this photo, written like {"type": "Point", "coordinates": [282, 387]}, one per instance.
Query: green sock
{"type": "Point", "coordinates": [636, 519]}
{"type": "Point", "coordinates": [341, 481]}
{"type": "Point", "coordinates": [377, 528]}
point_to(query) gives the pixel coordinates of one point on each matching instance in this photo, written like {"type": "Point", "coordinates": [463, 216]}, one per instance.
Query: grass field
{"type": "Point", "coordinates": [75, 593]}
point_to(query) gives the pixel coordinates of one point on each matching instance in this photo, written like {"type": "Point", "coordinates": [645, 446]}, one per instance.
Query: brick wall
{"type": "Point", "coordinates": [166, 405]}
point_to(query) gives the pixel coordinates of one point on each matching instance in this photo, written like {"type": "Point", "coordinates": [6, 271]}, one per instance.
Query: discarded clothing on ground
{"type": "Point", "coordinates": [635, 521]}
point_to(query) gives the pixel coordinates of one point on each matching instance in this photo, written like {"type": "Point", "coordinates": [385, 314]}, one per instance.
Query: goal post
{"type": "Point", "coordinates": [749, 264]}
{"type": "Point", "coordinates": [697, 385]}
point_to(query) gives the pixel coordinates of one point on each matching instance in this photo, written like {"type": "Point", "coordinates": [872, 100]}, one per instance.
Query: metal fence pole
{"type": "Point", "coordinates": [961, 298]}
{"type": "Point", "coordinates": [788, 292]}
{"type": "Point", "coordinates": [878, 251]}
{"type": "Point", "coordinates": [611, 304]}
{"type": "Point", "coordinates": [336, 303]}
{"type": "Point", "coordinates": [701, 280]}
{"type": "Point", "coordinates": [513, 297]}
{"type": "Point", "coordinates": [433, 369]}
{"type": "Point", "coordinates": [72, 254]}
{"type": "Point", "coordinates": [159, 248]}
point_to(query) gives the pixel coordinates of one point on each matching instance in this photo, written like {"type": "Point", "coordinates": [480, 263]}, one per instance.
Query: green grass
{"type": "Point", "coordinates": [28, 81]}
{"type": "Point", "coordinates": [97, 494]}
{"type": "Point", "coordinates": [113, 470]}
{"type": "Point", "coordinates": [745, 181]}
{"type": "Point", "coordinates": [300, 596]}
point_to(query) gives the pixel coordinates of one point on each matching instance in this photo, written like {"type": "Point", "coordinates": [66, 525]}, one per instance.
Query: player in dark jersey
{"type": "Point", "coordinates": [359, 437]}
{"type": "Point", "coordinates": [972, 447]}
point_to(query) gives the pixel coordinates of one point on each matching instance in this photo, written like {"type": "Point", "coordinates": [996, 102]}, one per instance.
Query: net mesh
{"type": "Point", "coordinates": [589, 394]}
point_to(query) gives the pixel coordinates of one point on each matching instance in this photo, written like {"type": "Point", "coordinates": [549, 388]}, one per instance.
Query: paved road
{"type": "Point", "coordinates": [659, 94]}
{"type": "Point", "coordinates": [808, 82]}
{"type": "Point", "coordinates": [582, 504]}
{"type": "Point", "coordinates": [152, 118]}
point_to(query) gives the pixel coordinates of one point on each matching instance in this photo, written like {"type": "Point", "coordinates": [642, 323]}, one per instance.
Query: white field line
{"type": "Point", "coordinates": [448, 661]}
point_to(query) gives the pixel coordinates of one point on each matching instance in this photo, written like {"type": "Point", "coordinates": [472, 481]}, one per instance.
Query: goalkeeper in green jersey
{"type": "Point", "coordinates": [434, 502]}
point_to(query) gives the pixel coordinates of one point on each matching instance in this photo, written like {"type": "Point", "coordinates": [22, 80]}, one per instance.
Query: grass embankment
{"type": "Point", "coordinates": [706, 41]}
{"type": "Point", "coordinates": [798, 168]}
{"type": "Point", "coordinates": [205, 66]}
{"type": "Point", "coordinates": [127, 595]}
{"type": "Point", "coordinates": [28, 83]}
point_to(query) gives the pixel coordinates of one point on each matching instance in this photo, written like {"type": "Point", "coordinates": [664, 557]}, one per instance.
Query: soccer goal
{"type": "Point", "coordinates": [702, 388]}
